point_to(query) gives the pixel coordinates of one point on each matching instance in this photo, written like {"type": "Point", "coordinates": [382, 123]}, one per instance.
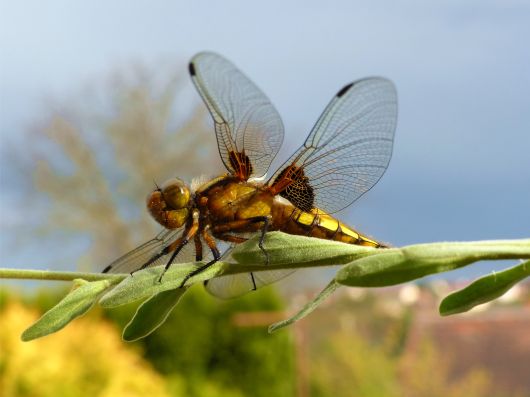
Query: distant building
{"type": "Point", "coordinates": [496, 338]}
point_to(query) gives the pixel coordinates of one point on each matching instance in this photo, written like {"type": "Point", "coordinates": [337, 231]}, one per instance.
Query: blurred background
{"type": "Point", "coordinates": [96, 105]}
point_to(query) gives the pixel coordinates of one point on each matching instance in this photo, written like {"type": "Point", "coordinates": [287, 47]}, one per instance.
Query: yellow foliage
{"type": "Point", "coordinates": [349, 366]}
{"type": "Point", "coordinates": [87, 358]}
{"type": "Point", "coordinates": [425, 371]}
{"type": "Point", "coordinates": [347, 363]}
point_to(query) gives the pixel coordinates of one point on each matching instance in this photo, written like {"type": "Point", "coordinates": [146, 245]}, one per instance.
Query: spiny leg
{"type": "Point", "coordinates": [175, 245]}
{"type": "Point", "coordinates": [231, 238]}
{"type": "Point", "coordinates": [188, 234]}
{"type": "Point", "coordinates": [210, 241]}
{"type": "Point", "coordinates": [254, 286]}
{"type": "Point", "coordinates": [183, 242]}
{"type": "Point", "coordinates": [241, 225]}
{"type": "Point", "coordinates": [236, 239]}
{"type": "Point", "coordinates": [198, 247]}
{"type": "Point", "coordinates": [266, 222]}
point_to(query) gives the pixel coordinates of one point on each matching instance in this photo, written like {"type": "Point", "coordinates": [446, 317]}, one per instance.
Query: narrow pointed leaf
{"type": "Point", "coordinates": [151, 314]}
{"type": "Point", "coordinates": [395, 266]}
{"type": "Point", "coordinates": [484, 289]}
{"type": "Point", "coordinates": [308, 308]}
{"type": "Point", "coordinates": [73, 305]}
{"type": "Point", "coordinates": [144, 283]}
{"type": "Point", "coordinates": [298, 251]}
{"type": "Point", "coordinates": [285, 252]}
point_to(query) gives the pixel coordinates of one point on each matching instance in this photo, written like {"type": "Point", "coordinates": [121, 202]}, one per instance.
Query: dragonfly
{"type": "Point", "coordinates": [345, 154]}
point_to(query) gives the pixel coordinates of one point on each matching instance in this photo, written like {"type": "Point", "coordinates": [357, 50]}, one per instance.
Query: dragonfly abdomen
{"type": "Point", "coordinates": [292, 220]}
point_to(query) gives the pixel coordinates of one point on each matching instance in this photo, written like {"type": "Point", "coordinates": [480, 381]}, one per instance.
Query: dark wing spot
{"type": "Point", "coordinates": [298, 191]}
{"type": "Point", "coordinates": [343, 90]}
{"type": "Point", "coordinates": [191, 68]}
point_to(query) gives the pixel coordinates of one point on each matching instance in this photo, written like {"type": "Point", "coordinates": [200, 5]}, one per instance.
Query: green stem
{"type": "Point", "coordinates": [290, 252]}
{"type": "Point", "coordinates": [27, 274]}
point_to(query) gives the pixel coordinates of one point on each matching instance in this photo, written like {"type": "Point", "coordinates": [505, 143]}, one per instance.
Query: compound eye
{"type": "Point", "coordinates": [176, 194]}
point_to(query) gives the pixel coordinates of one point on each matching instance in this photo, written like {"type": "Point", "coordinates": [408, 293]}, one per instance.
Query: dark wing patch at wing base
{"type": "Point", "coordinates": [346, 152]}
{"type": "Point", "coordinates": [241, 162]}
{"type": "Point", "coordinates": [297, 188]}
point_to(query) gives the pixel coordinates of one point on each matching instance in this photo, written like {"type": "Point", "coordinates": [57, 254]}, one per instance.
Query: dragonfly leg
{"type": "Point", "coordinates": [231, 238]}
{"type": "Point", "coordinates": [210, 241]}
{"type": "Point", "coordinates": [187, 235]}
{"type": "Point", "coordinates": [266, 223]}
{"type": "Point", "coordinates": [198, 247]}
{"type": "Point", "coordinates": [176, 245]}
{"type": "Point", "coordinates": [241, 225]}
{"type": "Point", "coordinates": [254, 286]}
{"type": "Point", "coordinates": [236, 239]}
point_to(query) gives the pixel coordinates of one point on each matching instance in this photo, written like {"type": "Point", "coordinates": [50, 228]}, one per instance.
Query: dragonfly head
{"type": "Point", "coordinates": [169, 203]}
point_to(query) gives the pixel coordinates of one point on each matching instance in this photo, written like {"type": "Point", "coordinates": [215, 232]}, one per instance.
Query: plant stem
{"type": "Point", "coordinates": [54, 275]}
{"type": "Point", "coordinates": [286, 251]}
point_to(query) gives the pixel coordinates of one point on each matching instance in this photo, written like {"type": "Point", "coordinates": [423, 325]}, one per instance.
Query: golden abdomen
{"type": "Point", "coordinates": [317, 223]}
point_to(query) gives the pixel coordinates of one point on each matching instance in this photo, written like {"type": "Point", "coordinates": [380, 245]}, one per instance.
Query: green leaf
{"type": "Point", "coordinates": [395, 266]}
{"type": "Point", "coordinates": [75, 304]}
{"type": "Point", "coordinates": [484, 289]}
{"type": "Point", "coordinates": [297, 251]}
{"type": "Point", "coordinates": [144, 283]}
{"type": "Point", "coordinates": [151, 314]}
{"type": "Point", "coordinates": [285, 251]}
{"type": "Point", "coordinates": [365, 267]}
{"type": "Point", "coordinates": [308, 308]}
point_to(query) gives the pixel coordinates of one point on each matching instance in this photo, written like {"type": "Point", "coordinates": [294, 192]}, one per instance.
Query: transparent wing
{"type": "Point", "coordinates": [222, 287]}
{"type": "Point", "coordinates": [151, 251]}
{"type": "Point", "coordinates": [232, 286]}
{"type": "Point", "coordinates": [249, 129]}
{"type": "Point", "coordinates": [235, 285]}
{"type": "Point", "coordinates": [347, 151]}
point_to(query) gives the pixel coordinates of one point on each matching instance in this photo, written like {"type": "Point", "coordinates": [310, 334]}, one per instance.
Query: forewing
{"type": "Point", "coordinates": [249, 129]}
{"type": "Point", "coordinates": [347, 151]}
{"type": "Point", "coordinates": [151, 251]}
{"type": "Point", "coordinates": [222, 287]}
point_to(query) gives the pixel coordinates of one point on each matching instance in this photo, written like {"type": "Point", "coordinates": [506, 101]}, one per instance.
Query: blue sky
{"type": "Point", "coordinates": [461, 164]}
